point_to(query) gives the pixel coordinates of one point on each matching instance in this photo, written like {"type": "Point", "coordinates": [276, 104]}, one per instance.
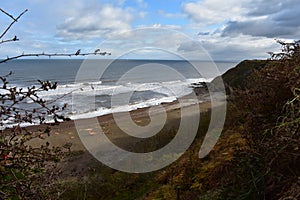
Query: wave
{"type": "Point", "coordinates": [98, 88]}
{"type": "Point", "coordinates": [123, 108]}
{"type": "Point", "coordinates": [151, 94]}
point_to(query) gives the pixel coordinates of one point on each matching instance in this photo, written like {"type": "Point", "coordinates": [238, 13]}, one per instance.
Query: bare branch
{"type": "Point", "coordinates": [78, 52]}
{"type": "Point", "coordinates": [53, 54]}
{"type": "Point", "coordinates": [15, 20]}
{"type": "Point", "coordinates": [7, 14]}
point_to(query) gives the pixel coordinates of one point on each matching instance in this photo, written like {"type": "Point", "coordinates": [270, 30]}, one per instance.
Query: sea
{"type": "Point", "coordinates": [132, 84]}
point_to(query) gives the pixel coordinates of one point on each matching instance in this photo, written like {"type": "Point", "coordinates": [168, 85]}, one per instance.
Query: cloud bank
{"type": "Point", "coordinates": [228, 30]}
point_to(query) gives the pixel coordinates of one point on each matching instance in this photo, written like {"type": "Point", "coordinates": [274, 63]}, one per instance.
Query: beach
{"type": "Point", "coordinates": [67, 132]}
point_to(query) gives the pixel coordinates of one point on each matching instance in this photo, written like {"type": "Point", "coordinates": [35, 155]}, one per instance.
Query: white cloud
{"type": "Point", "coordinates": [163, 42]}
{"type": "Point", "coordinates": [213, 11]}
{"type": "Point", "coordinates": [96, 21]}
{"type": "Point", "coordinates": [238, 48]}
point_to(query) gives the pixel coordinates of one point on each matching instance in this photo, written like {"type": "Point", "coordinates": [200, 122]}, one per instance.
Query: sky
{"type": "Point", "coordinates": [231, 30]}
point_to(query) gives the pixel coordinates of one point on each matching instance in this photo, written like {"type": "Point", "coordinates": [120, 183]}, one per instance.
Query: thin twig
{"type": "Point", "coordinates": [15, 20]}
{"type": "Point", "coordinates": [15, 176]}
{"type": "Point", "coordinates": [10, 40]}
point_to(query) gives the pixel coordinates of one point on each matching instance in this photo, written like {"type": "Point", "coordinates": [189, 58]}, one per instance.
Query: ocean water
{"type": "Point", "coordinates": [141, 83]}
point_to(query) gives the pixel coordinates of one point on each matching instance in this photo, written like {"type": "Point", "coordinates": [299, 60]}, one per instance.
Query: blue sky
{"type": "Point", "coordinates": [224, 30]}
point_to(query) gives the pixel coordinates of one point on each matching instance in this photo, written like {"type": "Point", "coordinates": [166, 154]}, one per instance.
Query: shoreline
{"type": "Point", "coordinates": [66, 132]}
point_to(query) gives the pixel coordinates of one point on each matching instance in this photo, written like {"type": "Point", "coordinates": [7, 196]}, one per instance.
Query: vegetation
{"type": "Point", "coordinates": [21, 166]}
{"type": "Point", "coordinates": [257, 156]}
{"type": "Point", "coordinates": [269, 107]}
